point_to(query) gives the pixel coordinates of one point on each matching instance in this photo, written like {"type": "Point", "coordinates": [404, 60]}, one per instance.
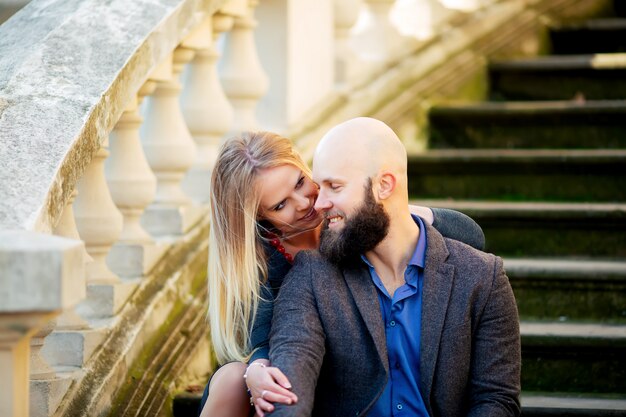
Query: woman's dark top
{"type": "Point", "coordinates": [450, 223]}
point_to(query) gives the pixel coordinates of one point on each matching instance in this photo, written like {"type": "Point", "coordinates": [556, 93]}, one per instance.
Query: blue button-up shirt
{"type": "Point", "coordinates": [402, 316]}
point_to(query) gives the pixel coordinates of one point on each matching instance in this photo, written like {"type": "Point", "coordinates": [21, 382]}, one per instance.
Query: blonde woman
{"type": "Point", "coordinates": [262, 215]}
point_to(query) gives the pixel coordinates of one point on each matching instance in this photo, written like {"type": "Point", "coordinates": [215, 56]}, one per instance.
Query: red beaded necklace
{"type": "Point", "coordinates": [275, 241]}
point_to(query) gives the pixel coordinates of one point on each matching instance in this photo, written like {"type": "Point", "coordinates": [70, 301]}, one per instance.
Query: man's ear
{"type": "Point", "coordinates": [386, 185]}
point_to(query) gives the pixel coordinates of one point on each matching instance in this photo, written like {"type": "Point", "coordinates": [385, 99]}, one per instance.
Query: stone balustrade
{"type": "Point", "coordinates": [111, 114]}
{"type": "Point", "coordinates": [41, 276]}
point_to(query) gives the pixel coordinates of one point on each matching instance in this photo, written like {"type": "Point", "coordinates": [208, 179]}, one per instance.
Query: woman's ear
{"type": "Point", "coordinates": [386, 185]}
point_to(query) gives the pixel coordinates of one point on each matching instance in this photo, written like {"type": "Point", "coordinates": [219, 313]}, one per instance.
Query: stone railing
{"type": "Point", "coordinates": [111, 114]}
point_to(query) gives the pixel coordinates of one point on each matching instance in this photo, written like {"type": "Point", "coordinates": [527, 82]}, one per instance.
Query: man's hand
{"type": "Point", "coordinates": [268, 385]}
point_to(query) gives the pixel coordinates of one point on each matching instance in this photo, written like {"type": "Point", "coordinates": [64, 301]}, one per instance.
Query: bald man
{"type": "Point", "coordinates": [391, 318]}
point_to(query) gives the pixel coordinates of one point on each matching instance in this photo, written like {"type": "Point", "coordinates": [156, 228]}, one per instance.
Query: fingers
{"type": "Point", "coordinates": [280, 377]}
{"type": "Point", "coordinates": [271, 381]}
{"type": "Point", "coordinates": [276, 393]}
{"type": "Point", "coordinates": [284, 385]}
{"type": "Point", "coordinates": [259, 412]}
{"type": "Point", "coordinates": [262, 406]}
{"type": "Point", "coordinates": [274, 397]}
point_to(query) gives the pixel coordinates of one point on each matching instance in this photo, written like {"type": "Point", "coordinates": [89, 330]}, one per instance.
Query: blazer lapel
{"type": "Point", "coordinates": [364, 293]}
{"type": "Point", "coordinates": [436, 289]}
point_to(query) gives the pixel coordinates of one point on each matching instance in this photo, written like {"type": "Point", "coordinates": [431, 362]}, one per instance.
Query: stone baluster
{"type": "Point", "coordinates": [240, 70]}
{"type": "Point", "coordinates": [73, 340]}
{"type": "Point", "coordinates": [207, 111]}
{"type": "Point", "coordinates": [40, 275]}
{"type": "Point", "coordinates": [170, 150]}
{"type": "Point", "coordinates": [347, 65]}
{"type": "Point", "coordinates": [375, 38]}
{"type": "Point", "coordinates": [466, 5]}
{"type": "Point", "coordinates": [420, 19]}
{"type": "Point", "coordinates": [66, 227]}
{"type": "Point", "coordinates": [133, 188]}
{"type": "Point", "coordinates": [99, 224]}
{"type": "Point", "coordinates": [132, 183]}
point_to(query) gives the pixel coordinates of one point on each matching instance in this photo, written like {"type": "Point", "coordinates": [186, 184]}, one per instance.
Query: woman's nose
{"type": "Point", "coordinates": [302, 202]}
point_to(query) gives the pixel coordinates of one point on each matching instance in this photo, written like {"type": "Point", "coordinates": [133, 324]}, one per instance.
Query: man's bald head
{"type": "Point", "coordinates": [360, 166]}
{"type": "Point", "coordinates": [362, 144]}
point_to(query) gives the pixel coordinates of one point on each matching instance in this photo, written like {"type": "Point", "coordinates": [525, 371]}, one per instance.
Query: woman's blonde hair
{"type": "Point", "coordinates": [237, 261]}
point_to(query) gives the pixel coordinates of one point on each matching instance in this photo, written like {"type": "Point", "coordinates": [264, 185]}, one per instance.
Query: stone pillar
{"type": "Point", "coordinates": [38, 276]}
{"type": "Point", "coordinates": [133, 187]}
{"type": "Point", "coordinates": [240, 70]}
{"type": "Point", "coordinates": [347, 65]}
{"type": "Point", "coordinates": [170, 150]}
{"type": "Point", "coordinates": [297, 40]}
{"type": "Point", "coordinates": [375, 38]}
{"type": "Point", "coordinates": [206, 109]}
{"type": "Point", "coordinates": [99, 224]}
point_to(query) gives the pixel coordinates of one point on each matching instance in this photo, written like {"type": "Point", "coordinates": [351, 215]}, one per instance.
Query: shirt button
{"type": "Point", "coordinates": [399, 406]}
{"type": "Point", "coordinates": [397, 365]}
{"type": "Point", "coordinates": [392, 323]}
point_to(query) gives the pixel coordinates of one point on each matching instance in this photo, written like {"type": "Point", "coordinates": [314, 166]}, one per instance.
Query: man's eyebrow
{"type": "Point", "coordinates": [330, 180]}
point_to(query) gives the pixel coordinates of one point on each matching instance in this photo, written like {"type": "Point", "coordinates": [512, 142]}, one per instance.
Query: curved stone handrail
{"type": "Point", "coordinates": [54, 115]}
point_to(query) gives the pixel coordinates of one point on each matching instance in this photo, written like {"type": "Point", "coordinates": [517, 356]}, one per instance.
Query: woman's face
{"type": "Point", "coordinates": [287, 199]}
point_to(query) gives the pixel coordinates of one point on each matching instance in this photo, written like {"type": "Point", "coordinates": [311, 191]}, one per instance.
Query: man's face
{"type": "Point", "coordinates": [357, 233]}
{"type": "Point", "coordinates": [340, 179]}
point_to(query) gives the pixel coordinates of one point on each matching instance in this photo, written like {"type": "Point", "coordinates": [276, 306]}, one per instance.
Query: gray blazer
{"type": "Point", "coordinates": [329, 339]}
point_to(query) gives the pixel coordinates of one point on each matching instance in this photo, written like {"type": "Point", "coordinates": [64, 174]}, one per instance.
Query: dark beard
{"type": "Point", "coordinates": [363, 231]}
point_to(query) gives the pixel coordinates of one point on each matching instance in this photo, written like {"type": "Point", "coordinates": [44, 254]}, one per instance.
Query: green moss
{"type": "Point", "coordinates": [150, 350]}
{"type": "Point", "coordinates": [475, 88]}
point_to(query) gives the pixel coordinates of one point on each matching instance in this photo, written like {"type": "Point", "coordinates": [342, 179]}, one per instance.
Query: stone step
{"type": "Point", "coordinates": [573, 357]}
{"type": "Point", "coordinates": [533, 405]}
{"type": "Point", "coordinates": [569, 289]}
{"type": "Point", "coordinates": [619, 8]}
{"type": "Point", "coordinates": [549, 124]}
{"type": "Point", "coordinates": [186, 404]}
{"type": "Point", "coordinates": [589, 37]}
{"type": "Point", "coordinates": [540, 175]}
{"type": "Point", "coordinates": [590, 77]}
{"type": "Point", "coordinates": [539, 404]}
{"type": "Point", "coordinates": [546, 229]}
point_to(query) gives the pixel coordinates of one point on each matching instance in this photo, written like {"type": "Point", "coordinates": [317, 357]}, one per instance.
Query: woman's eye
{"type": "Point", "coordinates": [280, 206]}
{"type": "Point", "coordinates": [300, 182]}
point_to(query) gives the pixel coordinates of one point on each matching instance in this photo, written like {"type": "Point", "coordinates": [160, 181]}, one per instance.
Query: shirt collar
{"type": "Point", "coordinates": [419, 254]}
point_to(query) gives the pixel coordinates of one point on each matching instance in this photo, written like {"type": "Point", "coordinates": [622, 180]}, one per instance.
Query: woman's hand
{"type": "Point", "coordinates": [424, 212]}
{"type": "Point", "coordinates": [268, 385]}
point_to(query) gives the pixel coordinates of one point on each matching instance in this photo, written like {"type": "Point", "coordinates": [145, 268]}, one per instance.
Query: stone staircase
{"type": "Point", "coordinates": [541, 167]}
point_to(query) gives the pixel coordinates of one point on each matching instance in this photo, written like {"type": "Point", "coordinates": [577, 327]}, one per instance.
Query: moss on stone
{"type": "Point", "coordinates": [142, 364]}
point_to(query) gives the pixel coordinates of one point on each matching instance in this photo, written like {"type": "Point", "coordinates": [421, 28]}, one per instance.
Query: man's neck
{"type": "Point", "coordinates": [391, 256]}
